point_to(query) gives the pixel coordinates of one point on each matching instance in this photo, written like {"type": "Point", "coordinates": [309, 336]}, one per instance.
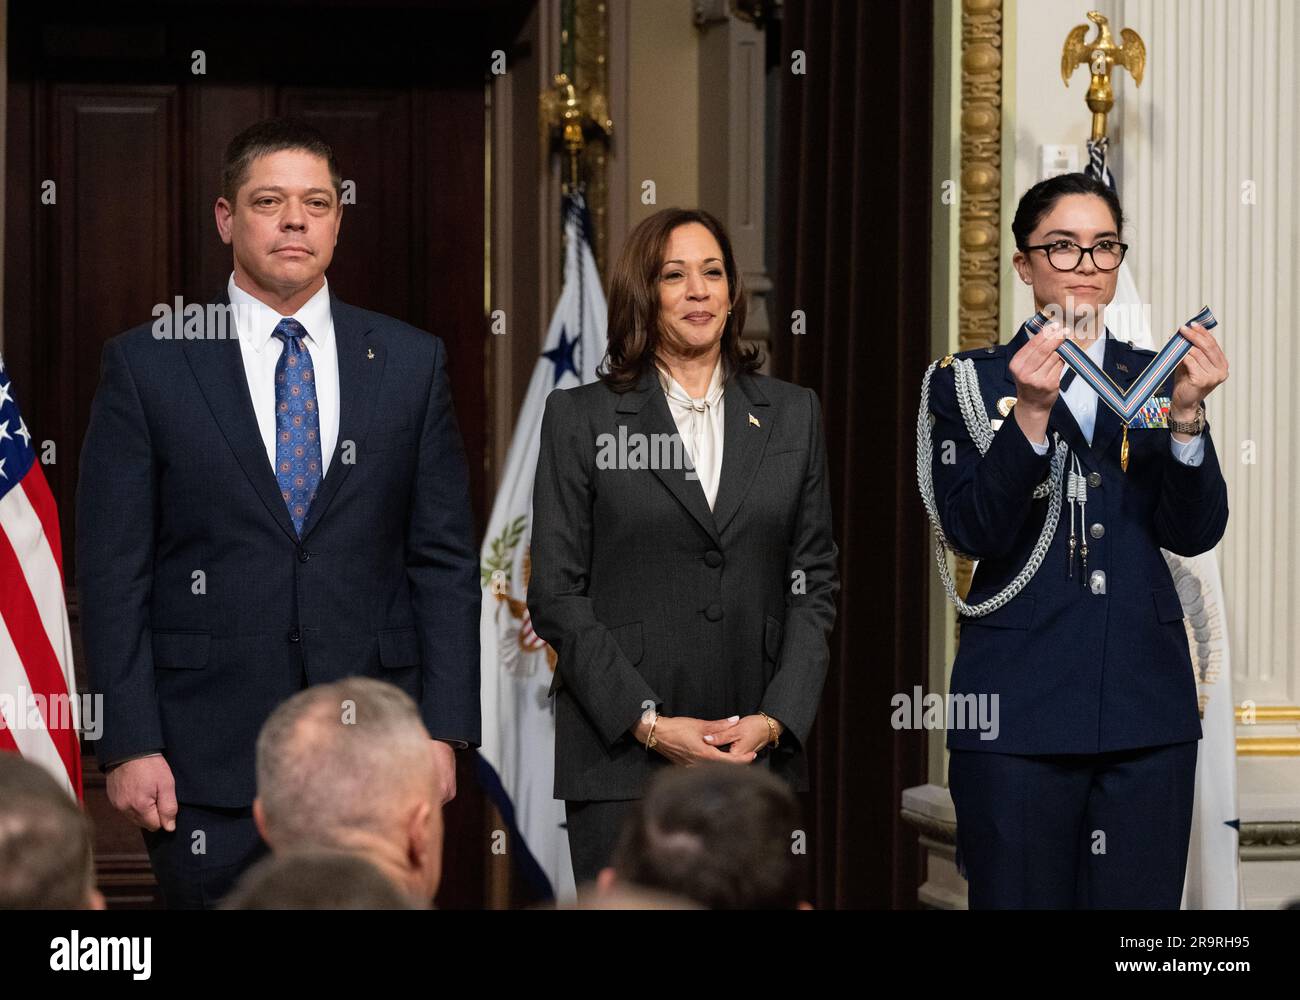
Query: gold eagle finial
{"type": "Point", "coordinates": [1101, 56]}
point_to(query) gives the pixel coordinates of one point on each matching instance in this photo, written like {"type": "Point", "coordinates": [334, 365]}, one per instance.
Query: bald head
{"type": "Point", "coordinates": [349, 766]}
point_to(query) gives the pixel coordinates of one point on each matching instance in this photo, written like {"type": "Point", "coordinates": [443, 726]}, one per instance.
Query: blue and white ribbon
{"type": "Point", "coordinates": [1126, 402]}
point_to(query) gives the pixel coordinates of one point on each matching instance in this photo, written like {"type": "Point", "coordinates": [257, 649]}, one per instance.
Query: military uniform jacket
{"type": "Point", "coordinates": [1074, 671]}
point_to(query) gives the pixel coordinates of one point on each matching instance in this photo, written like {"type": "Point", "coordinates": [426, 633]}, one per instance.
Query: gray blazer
{"type": "Point", "coordinates": [648, 597]}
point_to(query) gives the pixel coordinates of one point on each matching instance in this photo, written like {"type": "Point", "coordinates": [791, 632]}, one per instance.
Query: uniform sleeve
{"type": "Point", "coordinates": [982, 501]}
{"type": "Point", "coordinates": [1192, 512]}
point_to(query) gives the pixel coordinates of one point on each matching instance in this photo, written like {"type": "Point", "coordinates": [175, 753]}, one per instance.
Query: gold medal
{"type": "Point", "coordinates": [1005, 404]}
{"type": "Point", "coordinates": [1123, 450]}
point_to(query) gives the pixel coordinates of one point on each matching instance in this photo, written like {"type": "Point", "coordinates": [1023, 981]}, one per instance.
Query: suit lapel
{"type": "Point", "coordinates": [647, 414]}
{"type": "Point", "coordinates": [1062, 421]}
{"type": "Point", "coordinates": [218, 367]}
{"type": "Point", "coordinates": [742, 446]}
{"type": "Point", "coordinates": [359, 377]}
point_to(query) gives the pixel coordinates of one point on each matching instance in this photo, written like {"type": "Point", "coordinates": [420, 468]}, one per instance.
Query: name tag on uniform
{"type": "Point", "coordinates": [1153, 413]}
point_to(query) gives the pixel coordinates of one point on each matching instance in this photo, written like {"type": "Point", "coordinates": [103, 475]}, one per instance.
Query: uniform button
{"type": "Point", "coordinates": [303, 555]}
{"type": "Point", "coordinates": [713, 612]}
{"type": "Point", "coordinates": [1097, 530]}
{"type": "Point", "coordinates": [295, 636]}
{"type": "Point", "coordinates": [1097, 582]}
{"type": "Point", "coordinates": [1094, 479]}
{"type": "Point", "coordinates": [713, 558]}
{"type": "Point", "coordinates": [990, 350]}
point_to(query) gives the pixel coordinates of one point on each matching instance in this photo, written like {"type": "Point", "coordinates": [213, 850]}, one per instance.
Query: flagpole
{"type": "Point", "coordinates": [1213, 875]}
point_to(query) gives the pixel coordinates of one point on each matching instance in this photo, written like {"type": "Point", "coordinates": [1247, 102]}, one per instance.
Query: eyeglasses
{"type": "Point", "coordinates": [1066, 255]}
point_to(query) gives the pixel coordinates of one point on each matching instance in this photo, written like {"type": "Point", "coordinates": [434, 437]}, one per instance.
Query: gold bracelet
{"type": "Point", "coordinates": [772, 737]}
{"type": "Point", "coordinates": [650, 741]}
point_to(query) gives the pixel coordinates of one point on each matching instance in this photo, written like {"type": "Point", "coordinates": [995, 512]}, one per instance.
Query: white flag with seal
{"type": "Point", "coordinates": [518, 748]}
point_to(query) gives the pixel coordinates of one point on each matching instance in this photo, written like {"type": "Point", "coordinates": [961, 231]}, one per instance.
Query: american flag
{"type": "Point", "coordinates": [39, 710]}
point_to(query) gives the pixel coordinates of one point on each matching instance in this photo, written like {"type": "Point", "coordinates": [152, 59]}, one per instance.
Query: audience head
{"type": "Point", "coordinates": [717, 834]}
{"type": "Point", "coordinates": [46, 858]}
{"type": "Point", "coordinates": [349, 767]}
{"type": "Point", "coordinates": [315, 880]}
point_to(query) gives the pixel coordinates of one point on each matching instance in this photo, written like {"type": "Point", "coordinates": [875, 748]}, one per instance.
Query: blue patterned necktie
{"type": "Point", "coordinates": [297, 423]}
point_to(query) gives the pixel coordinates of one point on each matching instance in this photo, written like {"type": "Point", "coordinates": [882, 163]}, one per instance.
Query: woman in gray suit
{"type": "Point", "coordinates": [683, 567]}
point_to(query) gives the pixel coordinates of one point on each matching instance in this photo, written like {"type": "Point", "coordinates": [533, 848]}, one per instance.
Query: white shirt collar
{"type": "Point", "coordinates": [1097, 348]}
{"type": "Point", "coordinates": [679, 395]}
{"type": "Point", "coordinates": [315, 316]}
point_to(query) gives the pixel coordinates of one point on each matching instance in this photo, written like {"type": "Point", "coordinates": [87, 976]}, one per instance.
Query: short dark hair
{"type": "Point", "coordinates": [273, 135]}
{"type": "Point", "coordinates": [717, 834]}
{"type": "Point", "coordinates": [315, 880]}
{"type": "Point", "coordinates": [1039, 200]}
{"type": "Point", "coordinates": [46, 853]}
{"type": "Point", "coordinates": [633, 326]}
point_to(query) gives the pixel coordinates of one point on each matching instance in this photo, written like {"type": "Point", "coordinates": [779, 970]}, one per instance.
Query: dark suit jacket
{"type": "Point", "coordinates": [1075, 671]}
{"type": "Point", "coordinates": [175, 481]}
{"type": "Point", "coordinates": [648, 597]}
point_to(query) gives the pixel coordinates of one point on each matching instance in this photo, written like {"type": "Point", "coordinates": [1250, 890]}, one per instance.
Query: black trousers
{"type": "Point", "coordinates": [593, 828]}
{"type": "Point", "coordinates": [1065, 831]}
{"type": "Point", "coordinates": [200, 861]}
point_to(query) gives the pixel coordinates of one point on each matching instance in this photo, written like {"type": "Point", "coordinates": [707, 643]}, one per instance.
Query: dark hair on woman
{"type": "Point", "coordinates": [1040, 199]}
{"type": "Point", "coordinates": [634, 329]}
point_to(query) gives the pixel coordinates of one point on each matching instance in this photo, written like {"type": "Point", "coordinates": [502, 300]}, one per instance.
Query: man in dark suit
{"type": "Point", "coordinates": [272, 496]}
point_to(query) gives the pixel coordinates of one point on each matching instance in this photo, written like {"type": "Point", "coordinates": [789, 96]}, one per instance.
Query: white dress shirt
{"type": "Point", "coordinates": [1082, 399]}
{"type": "Point", "coordinates": [700, 424]}
{"type": "Point", "coordinates": [255, 322]}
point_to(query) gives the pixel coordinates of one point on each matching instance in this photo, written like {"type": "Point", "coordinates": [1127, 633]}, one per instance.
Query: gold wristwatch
{"type": "Point", "coordinates": [1189, 426]}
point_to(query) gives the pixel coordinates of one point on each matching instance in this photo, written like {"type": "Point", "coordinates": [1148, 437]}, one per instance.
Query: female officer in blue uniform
{"type": "Point", "coordinates": [1073, 639]}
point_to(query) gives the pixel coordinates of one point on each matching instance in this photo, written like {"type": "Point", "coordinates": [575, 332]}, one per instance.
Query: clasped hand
{"type": "Point", "coordinates": [685, 740]}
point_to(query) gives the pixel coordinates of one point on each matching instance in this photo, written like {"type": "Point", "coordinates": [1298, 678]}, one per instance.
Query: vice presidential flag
{"type": "Point", "coordinates": [39, 710]}
{"type": "Point", "coordinates": [1213, 869]}
{"type": "Point", "coordinates": [518, 748]}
